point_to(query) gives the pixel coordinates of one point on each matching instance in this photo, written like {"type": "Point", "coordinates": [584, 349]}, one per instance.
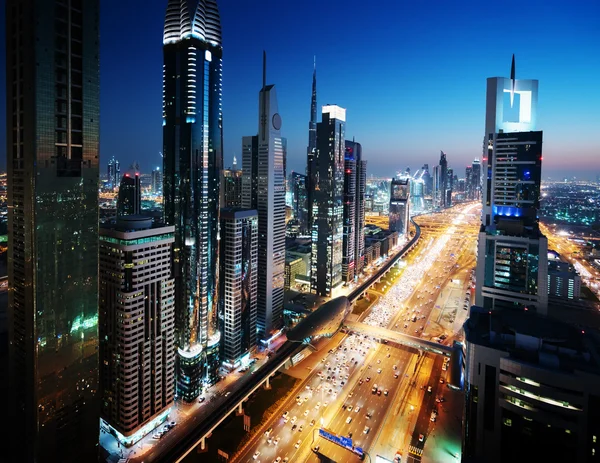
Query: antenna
{"type": "Point", "coordinates": [264, 69]}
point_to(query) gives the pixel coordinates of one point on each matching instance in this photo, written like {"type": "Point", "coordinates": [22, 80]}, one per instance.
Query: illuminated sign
{"type": "Point", "coordinates": [342, 441]}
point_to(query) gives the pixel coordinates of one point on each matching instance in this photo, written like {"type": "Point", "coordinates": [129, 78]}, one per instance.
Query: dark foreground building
{"type": "Point", "coordinates": [52, 109]}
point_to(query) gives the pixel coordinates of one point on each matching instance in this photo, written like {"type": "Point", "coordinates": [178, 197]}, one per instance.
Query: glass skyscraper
{"type": "Point", "coordinates": [192, 164]}
{"type": "Point", "coordinates": [52, 110]}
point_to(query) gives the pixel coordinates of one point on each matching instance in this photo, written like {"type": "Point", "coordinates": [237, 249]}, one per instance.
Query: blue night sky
{"type": "Point", "coordinates": [411, 74]}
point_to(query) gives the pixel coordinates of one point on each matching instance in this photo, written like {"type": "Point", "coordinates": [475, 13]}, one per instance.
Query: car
{"type": "Point", "coordinates": [301, 428]}
{"type": "Point", "coordinates": [386, 392]}
{"type": "Point", "coordinates": [379, 370]}
{"type": "Point", "coordinates": [325, 404]}
{"type": "Point", "coordinates": [270, 440]}
{"type": "Point", "coordinates": [349, 420]}
{"type": "Point", "coordinates": [421, 437]}
{"type": "Point", "coordinates": [433, 417]}
{"type": "Point", "coordinates": [306, 398]}
{"type": "Point", "coordinates": [256, 454]}
{"type": "Point", "coordinates": [429, 389]}
{"type": "Point", "coordinates": [297, 444]}
{"type": "Point", "coordinates": [357, 409]}
{"type": "Point", "coordinates": [396, 375]}
{"type": "Point", "coordinates": [368, 415]}
{"type": "Point", "coordinates": [349, 408]}
{"type": "Point", "coordinates": [294, 427]}
{"type": "Point", "coordinates": [395, 367]}
{"type": "Point", "coordinates": [442, 381]}
{"type": "Point", "coordinates": [312, 423]}
{"type": "Point", "coordinates": [378, 391]}
{"type": "Point", "coordinates": [445, 367]}
{"type": "Point", "coordinates": [366, 430]}
{"type": "Point", "coordinates": [368, 379]}
{"type": "Point", "coordinates": [277, 460]}
{"type": "Point", "coordinates": [316, 448]}
{"type": "Point", "coordinates": [305, 412]}
{"type": "Point", "coordinates": [156, 436]}
{"type": "Point", "coordinates": [318, 405]}
{"type": "Point", "coordinates": [285, 415]}
{"type": "Point", "coordinates": [276, 441]}
{"type": "Point", "coordinates": [350, 434]}
{"type": "Point", "coordinates": [360, 382]}
{"type": "Point", "coordinates": [294, 419]}
{"type": "Point", "coordinates": [268, 432]}
{"type": "Point", "coordinates": [378, 361]}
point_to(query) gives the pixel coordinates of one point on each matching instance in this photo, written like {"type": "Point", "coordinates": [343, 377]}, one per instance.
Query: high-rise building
{"type": "Point", "coordinates": [239, 269]}
{"type": "Point", "coordinates": [114, 173]}
{"type": "Point", "coordinates": [157, 181]}
{"type": "Point", "coordinates": [476, 179]}
{"type": "Point", "coordinates": [264, 190]}
{"type": "Point", "coordinates": [52, 136]}
{"type": "Point", "coordinates": [300, 201]}
{"type": "Point", "coordinates": [443, 180]}
{"type": "Point", "coordinates": [192, 164]}
{"type": "Point", "coordinates": [328, 207]}
{"type": "Point", "coordinates": [312, 148]}
{"type": "Point", "coordinates": [354, 153]}
{"type": "Point", "coordinates": [349, 218]}
{"type": "Point", "coordinates": [469, 182]}
{"type": "Point", "coordinates": [437, 187]}
{"type": "Point", "coordinates": [232, 188]}
{"type": "Point", "coordinates": [449, 186]}
{"type": "Point", "coordinates": [129, 201]}
{"type": "Point", "coordinates": [399, 215]}
{"type": "Point", "coordinates": [512, 270]}
{"type": "Point", "coordinates": [137, 326]}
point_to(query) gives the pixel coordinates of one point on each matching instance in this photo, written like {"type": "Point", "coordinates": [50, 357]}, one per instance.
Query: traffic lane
{"type": "Point", "coordinates": [376, 405]}
{"type": "Point", "coordinates": [283, 430]}
{"type": "Point", "coordinates": [427, 405]}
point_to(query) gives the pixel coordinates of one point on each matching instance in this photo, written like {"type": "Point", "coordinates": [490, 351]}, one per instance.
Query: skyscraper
{"type": "Point", "coordinates": [239, 269]}
{"type": "Point", "coordinates": [53, 107]}
{"type": "Point", "coordinates": [476, 179]}
{"type": "Point", "coordinates": [129, 201]}
{"type": "Point", "coordinates": [353, 159]}
{"type": "Point", "coordinates": [137, 326]}
{"type": "Point", "coordinates": [400, 206]}
{"type": "Point", "coordinates": [349, 220]}
{"type": "Point", "coordinates": [114, 173]}
{"type": "Point", "coordinates": [192, 163]}
{"type": "Point", "coordinates": [232, 188]}
{"type": "Point", "coordinates": [436, 187]}
{"type": "Point", "coordinates": [328, 208]}
{"type": "Point", "coordinates": [157, 181]}
{"type": "Point", "coordinates": [264, 190]}
{"type": "Point", "coordinates": [300, 201]}
{"type": "Point", "coordinates": [443, 179]}
{"type": "Point", "coordinates": [469, 183]}
{"type": "Point", "coordinates": [449, 186]}
{"type": "Point", "coordinates": [312, 147]}
{"type": "Point", "coordinates": [512, 268]}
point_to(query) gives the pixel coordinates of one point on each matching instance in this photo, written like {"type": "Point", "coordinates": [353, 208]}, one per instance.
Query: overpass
{"type": "Point", "coordinates": [214, 414]}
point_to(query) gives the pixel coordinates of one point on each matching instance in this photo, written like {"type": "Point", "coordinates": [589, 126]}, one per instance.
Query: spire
{"type": "Point", "coordinates": [512, 81]}
{"type": "Point", "coordinates": [263, 115]}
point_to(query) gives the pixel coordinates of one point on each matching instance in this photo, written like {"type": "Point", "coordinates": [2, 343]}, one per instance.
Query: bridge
{"type": "Point", "coordinates": [217, 411]}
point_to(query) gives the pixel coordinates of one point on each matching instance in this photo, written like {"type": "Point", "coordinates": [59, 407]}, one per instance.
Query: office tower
{"type": "Point", "coordinates": [312, 148]}
{"type": "Point", "coordinates": [417, 192]}
{"type": "Point", "coordinates": [469, 183]}
{"type": "Point", "coordinates": [449, 186]}
{"type": "Point", "coordinates": [192, 164]}
{"type": "Point", "coordinates": [563, 280]}
{"type": "Point", "coordinates": [328, 208]}
{"type": "Point", "coordinates": [300, 201]}
{"type": "Point", "coordinates": [114, 173]}
{"type": "Point", "coordinates": [443, 179]}
{"type": "Point", "coordinates": [239, 274]}
{"type": "Point", "coordinates": [264, 190]}
{"type": "Point", "coordinates": [349, 216]}
{"type": "Point", "coordinates": [399, 214]}
{"type": "Point", "coordinates": [53, 110]}
{"type": "Point", "coordinates": [476, 179]}
{"type": "Point", "coordinates": [156, 181]}
{"type": "Point", "coordinates": [137, 326]}
{"type": "Point", "coordinates": [512, 268]}
{"type": "Point", "coordinates": [427, 180]}
{"type": "Point", "coordinates": [354, 151]}
{"type": "Point", "coordinates": [129, 201]}
{"type": "Point", "coordinates": [533, 385]}
{"type": "Point", "coordinates": [436, 187]}
{"type": "Point", "coordinates": [234, 165]}
{"type": "Point", "coordinates": [232, 188]}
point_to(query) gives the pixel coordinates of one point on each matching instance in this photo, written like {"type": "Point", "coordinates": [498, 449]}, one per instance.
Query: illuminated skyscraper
{"type": "Point", "coordinates": [53, 108]}
{"type": "Point", "coordinates": [476, 179]}
{"type": "Point", "coordinates": [312, 147]}
{"type": "Point", "coordinates": [232, 188]}
{"type": "Point", "coordinates": [328, 207]}
{"type": "Point", "coordinates": [300, 201]}
{"type": "Point", "coordinates": [114, 173]}
{"type": "Point", "coordinates": [157, 181]}
{"type": "Point", "coordinates": [443, 180]}
{"type": "Point", "coordinates": [348, 257]}
{"type": "Point", "coordinates": [400, 206]}
{"type": "Point", "coordinates": [129, 201]}
{"type": "Point", "coordinates": [263, 189]}
{"type": "Point", "coordinates": [192, 164]}
{"type": "Point", "coordinates": [353, 161]}
{"type": "Point", "coordinates": [513, 259]}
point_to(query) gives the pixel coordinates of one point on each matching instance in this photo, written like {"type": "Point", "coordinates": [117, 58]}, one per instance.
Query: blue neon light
{"type": "Point", "coordinates": [342, 441]}
{"type": "Point", "coordinates": [508, 211]}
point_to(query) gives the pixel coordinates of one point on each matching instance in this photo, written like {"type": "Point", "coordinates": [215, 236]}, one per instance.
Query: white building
{"type": "Point", "coordinates": [136, 326]}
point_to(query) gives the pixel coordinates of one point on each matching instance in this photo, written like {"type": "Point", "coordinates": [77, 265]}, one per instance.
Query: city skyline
{"type": "Point", "coordinates": [439, 67]}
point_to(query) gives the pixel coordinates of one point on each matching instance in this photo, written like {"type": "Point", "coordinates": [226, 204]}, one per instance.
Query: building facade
{"type": "Point", "coordinates": [156, 181]}
{"type": "Point", "coordinates": [52, 107]}
{"type": "Point", "coordinates": [563, 280]}
{"type": "Point", "coordinates": [129, 200]}
{"type": "Point", "coordinates": [264, 190]}
{"type": "Point", "coordinates": [311, 151]}
{"type": "Point", "coordinates": [328, 208]}
{"type": "Point", "coordinates": [400, 206]}
{"type": "Point", "coordinates": [136, 325]}
{"type": "Point", "coordinates": [299, 185]}
{"type": "Point", "coordinates": [114, 173]}
{"type": "Point", "coordinates": [232, 188]}
{"type": "Point", "coordinates": [239, 271]}
{"type": "Point", "coordinates": [192, 164]}
{"type": "Point", "coordinates": [349, 220]}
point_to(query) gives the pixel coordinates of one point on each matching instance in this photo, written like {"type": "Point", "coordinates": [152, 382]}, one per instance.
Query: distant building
{"type": "Point", "coordinates": [136, 326]}
{"type": "Point", "coordinates": [563, 280]}
{"type": "Point", "coordinates": [476, 180]}
{"type": "Point", "coordinates": [114, 173]}
{"type": "Point", "coordinates": [300, 202]}
{"type": "Point", "coordinates": [129, 201]}
{"type": "Point", "coordinates": [157, 181]}
{"type": "Point", "coordinates": [328, 208]}
{"type": "Point", "coordinates": [443, 180]}
{"type": "Point", "coordinates": [437, 191]}
{"type": "Point", "coordinates": [263, 189]}
{"type": "Point", "coordinates": [449, 186]}
{"type": "Point", "coordinates": [239, 273]}
{"type": "Point", "coordinates": [358, 171]}
{"type": "Point", "coordinates": [532, 388]}
{"type": "Point", "coordinates": [232, 188]}
{"type": "Point", "coordinates": [399, 215]}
